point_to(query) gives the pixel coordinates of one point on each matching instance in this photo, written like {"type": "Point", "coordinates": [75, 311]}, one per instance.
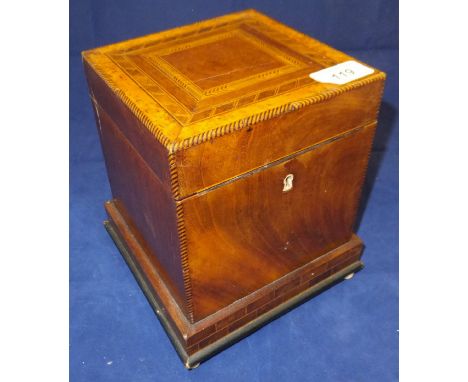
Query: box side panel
{"type": "Point", "coordinates": [152, 151]}
{"type": "Point", "coordinates": [139, 176]}
{"type": "Point", "coordinates": [222, 158]}
{"type": "Point", "coordinates": [145, 202]}
{"type": "Point", "coordinates": [254, 232]}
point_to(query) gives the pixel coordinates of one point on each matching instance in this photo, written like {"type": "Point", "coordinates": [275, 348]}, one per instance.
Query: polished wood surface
{"type": "Point", "coordinates": [195, 337]}
{"type": "Point", "coordinates": [205, 165]}
{"type": "Point", "coordinates": [258, 71]}
{"type": "Point", "coordinates": [200, 127]}
{"type": "Point", "coordinates": [254, 233]}
{"type": "Point", "coordinates": [146, 203]}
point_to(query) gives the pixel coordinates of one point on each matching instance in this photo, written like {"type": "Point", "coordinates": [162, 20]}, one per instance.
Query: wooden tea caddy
{"type": "Point", "coordinates": [235, 176]}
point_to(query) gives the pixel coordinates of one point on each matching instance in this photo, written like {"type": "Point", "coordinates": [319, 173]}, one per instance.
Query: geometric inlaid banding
{"type": "Point", "coordinates": [191, 83]}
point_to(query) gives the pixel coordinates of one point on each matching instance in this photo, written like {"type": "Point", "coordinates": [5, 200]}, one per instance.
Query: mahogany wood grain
{"type": "Point", "coordinates": [134, 130]}
{"type": "Point", "coordinates": [200, 126]}
{"type": "Point", "coordinates": [196, 336]}
{"type": "Point", "coordinates": [203, 165]}
{"type": "Point", "coordinates": [147, 204]}
{"type": "Point", "coordinates": [254, 233]}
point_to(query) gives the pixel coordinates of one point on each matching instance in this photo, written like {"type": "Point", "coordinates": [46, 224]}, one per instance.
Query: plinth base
{"type": "Point", "coordinates": [199, 341]}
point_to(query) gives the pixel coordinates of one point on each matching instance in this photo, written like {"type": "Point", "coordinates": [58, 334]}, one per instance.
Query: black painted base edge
{"type": "Point", "coordinates": [194, 360]}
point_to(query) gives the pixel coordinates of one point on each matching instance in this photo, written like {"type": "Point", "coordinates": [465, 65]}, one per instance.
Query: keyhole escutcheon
{"type": "Point", "coordinates": [288, 183]}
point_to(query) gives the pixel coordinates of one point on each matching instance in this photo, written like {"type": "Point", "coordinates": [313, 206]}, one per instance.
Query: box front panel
{"type": "Point", "coordinates": [249, 232]}
{"type": "Point", "coordinates": [212, 162]}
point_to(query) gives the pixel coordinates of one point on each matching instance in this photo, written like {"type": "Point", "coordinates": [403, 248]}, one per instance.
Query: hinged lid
{"type": "Point", "coordinates": [193, 83]}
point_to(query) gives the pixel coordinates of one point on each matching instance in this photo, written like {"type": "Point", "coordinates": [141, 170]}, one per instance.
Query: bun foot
{"type": "Point", "coordinates": [190, 367]}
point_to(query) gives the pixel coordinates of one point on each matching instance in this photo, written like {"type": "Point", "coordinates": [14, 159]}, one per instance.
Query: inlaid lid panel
{"type": "Point", "coordinates": [216, 75]}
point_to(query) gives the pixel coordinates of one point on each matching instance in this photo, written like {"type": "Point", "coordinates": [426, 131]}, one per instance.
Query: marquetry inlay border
{"type": "Point", "coordinates": [263, 38]}
{"type": "Point", "coordinates": [168, 123]}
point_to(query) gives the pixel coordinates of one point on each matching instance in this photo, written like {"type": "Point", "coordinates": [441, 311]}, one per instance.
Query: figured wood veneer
{"type": "Point", "coordinates": [193, 338]}
{"type": "Point", "coordinates": [200, 125]}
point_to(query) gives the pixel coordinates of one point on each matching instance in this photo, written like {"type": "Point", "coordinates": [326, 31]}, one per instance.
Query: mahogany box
{"type": "Point", "coordinates": [236, 150]}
